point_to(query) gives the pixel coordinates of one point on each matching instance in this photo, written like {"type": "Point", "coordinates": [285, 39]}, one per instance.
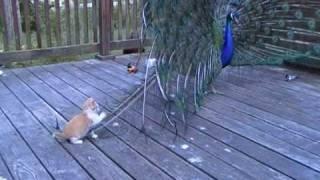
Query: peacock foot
{"type": "Point", "coordinates": [215, 91]}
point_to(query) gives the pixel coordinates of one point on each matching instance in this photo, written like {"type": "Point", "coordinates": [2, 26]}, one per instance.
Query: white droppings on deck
{"type": "Point", "coordinates": [191, 138]}
{"type": "Point", "coordinates": [195, 159]}
{"type": "Point", "coordinates": [115, 124]}
{"type": "Point", "coordinates": [207, 146]}
{"type": "Point", "coordinates": [89, 158]}
{"type": "Point", "coordinates": [202, 128]}
{"type": "Point", "coordinates": [184, 146]}
{"type": "Point", "coordinates": [172, 146]}
{"type": "Point", "coordinates": [1, 73]}
{"type": "Point", "coordinates": [227, 150]}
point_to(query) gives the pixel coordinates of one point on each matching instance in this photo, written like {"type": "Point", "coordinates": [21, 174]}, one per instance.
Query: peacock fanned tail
{"type": "Point", "coordinates": [188, 37]}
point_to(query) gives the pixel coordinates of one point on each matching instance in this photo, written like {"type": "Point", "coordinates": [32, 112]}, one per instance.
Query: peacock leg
{"type": "Point", "coordinates": [173, 123]}
{"type": "Point", "coordinates": [215, 91]}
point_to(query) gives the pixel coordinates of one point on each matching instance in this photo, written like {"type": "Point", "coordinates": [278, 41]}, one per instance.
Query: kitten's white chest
{"type": "Point", "coordinates": [95, 117]}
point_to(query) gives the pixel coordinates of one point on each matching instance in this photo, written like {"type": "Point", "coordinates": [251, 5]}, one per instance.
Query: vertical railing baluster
{"type": "Point", "coordinates": [85, 21]}
{"type": "Point", "coordinates": [105, 17]}
{"type": "Point", "coordinates": [58, 22]}
{"type": "Point", "coordinates": [94, 21]}
{"type": "Point", "coordinates": [37, 18]}
{"type": "Point", "coordinates": [5, 28]}
{"type": "Point", "coordinates": [16, 24]}
{"type": "Point", "coordinates": [68, 21]}
{"type": "Point", "coordinates": [26, 12]}
{"type": "Point", "coordinates": [77, 21]}
{"type": "Point", "coordinates": [47, 22]}
{"type": "Point", "coordinates": [120, 20]}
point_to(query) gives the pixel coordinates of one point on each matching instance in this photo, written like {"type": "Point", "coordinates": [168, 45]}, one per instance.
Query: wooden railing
{"type": "Point", "coordinates": [42, 28]}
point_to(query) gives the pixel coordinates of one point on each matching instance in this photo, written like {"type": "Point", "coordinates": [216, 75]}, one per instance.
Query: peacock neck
{"type": "Point", "coordinates": [228, 29]}
{"type": "Point", "coordinates": [227, 51]}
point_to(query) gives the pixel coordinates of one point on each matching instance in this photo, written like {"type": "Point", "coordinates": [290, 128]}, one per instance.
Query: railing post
{"type": "Point", "coordinates": [105, 18]}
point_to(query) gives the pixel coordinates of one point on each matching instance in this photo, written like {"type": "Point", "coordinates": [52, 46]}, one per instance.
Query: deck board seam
{"type": "Point", "coordinates": [6, 164]}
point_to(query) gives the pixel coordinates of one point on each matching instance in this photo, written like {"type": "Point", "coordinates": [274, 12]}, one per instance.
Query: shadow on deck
{"type": "Point", "coordinates": [261, 128]}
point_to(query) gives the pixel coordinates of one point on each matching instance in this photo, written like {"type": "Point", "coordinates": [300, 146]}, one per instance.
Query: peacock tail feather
{"type": "Point", "coordinates": [275, 31]}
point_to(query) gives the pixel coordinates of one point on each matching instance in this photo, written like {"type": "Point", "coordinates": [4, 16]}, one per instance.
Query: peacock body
{"type": "Point", "coordinates": [228, 45]}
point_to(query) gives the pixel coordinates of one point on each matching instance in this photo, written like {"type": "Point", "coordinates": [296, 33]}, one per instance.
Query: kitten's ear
{"type": "Point", "coordinates": [87, 103]}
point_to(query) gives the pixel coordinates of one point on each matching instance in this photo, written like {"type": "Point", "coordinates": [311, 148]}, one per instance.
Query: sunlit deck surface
{"type": "Point", "coordinates": [262, 127]}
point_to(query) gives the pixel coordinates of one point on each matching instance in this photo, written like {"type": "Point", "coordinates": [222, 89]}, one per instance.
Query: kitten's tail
{"type": "Point", "coordinates": [58, 135]}
{"type": "Point", "coordinates": [57, 124]}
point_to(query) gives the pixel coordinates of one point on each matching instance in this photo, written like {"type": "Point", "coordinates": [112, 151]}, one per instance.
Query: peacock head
{"type": "Point", "coordinates": [233, 16]}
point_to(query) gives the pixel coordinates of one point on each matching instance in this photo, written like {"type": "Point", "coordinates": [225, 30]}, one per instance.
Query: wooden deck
{"type": "Point", "coordinates": [262, 127]}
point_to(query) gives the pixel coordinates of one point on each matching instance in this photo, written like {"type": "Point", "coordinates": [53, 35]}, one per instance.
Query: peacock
{"type": "Point", "coordinates": [195, 40]}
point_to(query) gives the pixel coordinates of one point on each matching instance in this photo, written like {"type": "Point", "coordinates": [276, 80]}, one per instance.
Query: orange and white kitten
{"type": "Point", "coordinates": [80, 125]}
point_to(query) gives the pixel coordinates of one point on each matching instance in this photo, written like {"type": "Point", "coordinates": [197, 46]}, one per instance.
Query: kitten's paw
{"type": "Point", "coordinates": [76, 141]}
{"type": "Point", "coordinates": [103, 115]}
{"type": "Point", "coordinates": [94, 135]}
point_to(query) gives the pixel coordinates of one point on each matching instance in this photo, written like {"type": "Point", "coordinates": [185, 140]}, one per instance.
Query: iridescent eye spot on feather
{"type": "Point", "coordinates": [318, 13]}
{"type": "Point", "coordinates": [286, 7]}
{"type": "Point", "coordinates": [312, 24]}
{"type": "Point", "coordinates": [282, 23]}
{"type": "Point", "coordinates": [290, 34]}
{"type": "Point", "coordinates": [298, 14]}
{"type": "Point", "coordinates": [275, 39]}
{"type": "Point", "coordinates": [316, 49]}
